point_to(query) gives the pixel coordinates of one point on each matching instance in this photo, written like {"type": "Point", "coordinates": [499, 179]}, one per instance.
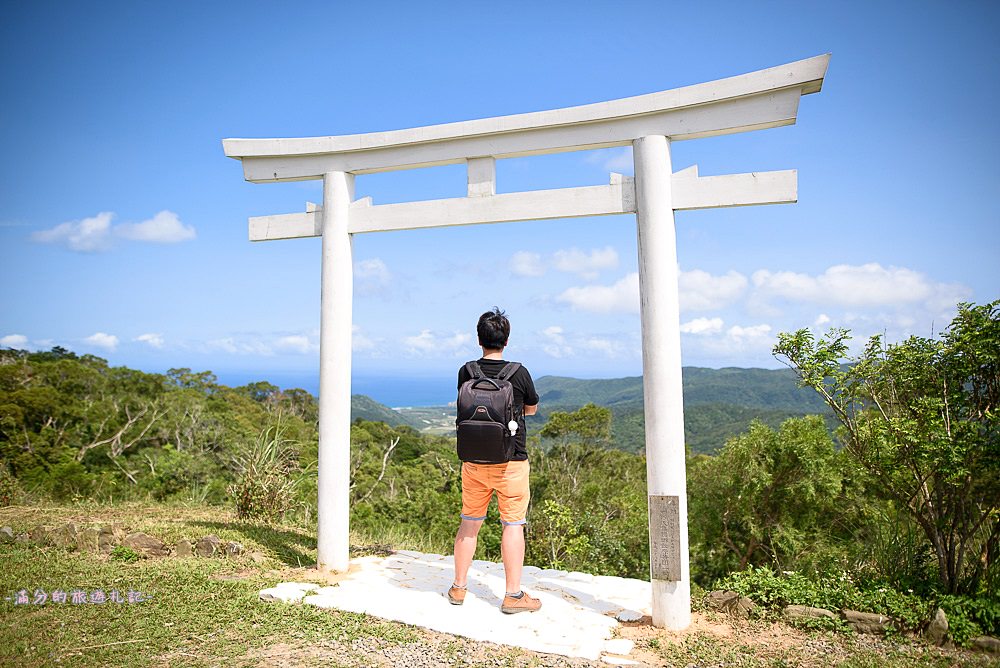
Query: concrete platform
{"type": "Point", "coordinates": [578, 617]}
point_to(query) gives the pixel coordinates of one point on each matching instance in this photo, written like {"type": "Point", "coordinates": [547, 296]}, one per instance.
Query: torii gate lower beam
{"type": "Point", "coordinates": [764, 99]}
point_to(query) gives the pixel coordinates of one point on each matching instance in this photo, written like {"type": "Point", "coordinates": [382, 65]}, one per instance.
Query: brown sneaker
{"type": "Point", "coordinates": [456, 596]}
{"type": "Point", "coordinates": [526, 603]}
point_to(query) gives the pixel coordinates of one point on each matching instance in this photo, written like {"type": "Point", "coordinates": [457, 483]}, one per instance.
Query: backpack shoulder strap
{"type": "Point", "coordinates": [474, 370]}
{"type": "Point", "coordinates": [509, 370]}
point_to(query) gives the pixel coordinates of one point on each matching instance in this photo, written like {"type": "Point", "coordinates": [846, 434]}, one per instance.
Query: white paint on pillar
{"type": "Point", "coordinates": [333, 513]}
{"type": "Point", "coordinates": [661, 363]}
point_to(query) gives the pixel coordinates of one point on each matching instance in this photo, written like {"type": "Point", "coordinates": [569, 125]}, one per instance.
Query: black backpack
{"type": "Point", "coordinates": [485, 412]}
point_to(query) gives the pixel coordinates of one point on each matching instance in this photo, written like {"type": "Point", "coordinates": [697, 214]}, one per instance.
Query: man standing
{"type": "Point", "coordinates": [509, 480]}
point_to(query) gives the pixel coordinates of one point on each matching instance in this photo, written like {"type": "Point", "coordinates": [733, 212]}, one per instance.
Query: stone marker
{"type": "Point", "coordinates": [866, 622]}
{"type": "Point", "coordinates": [88, 540]}
{"type": "Point", "coordinates": [184, 549]}
{"type": "Point", "coordinates": [805, 612]}
{"type": "Point", "coordinates": [6, 535]}
{"type": "Point", "coordinates": [731, 602]}
{"type": "Point", "coordinates": [987, 644]}
{"type": "Point", "coordinates": [208, 546]}
{"type": "Point", "coordinates": [937, 630]}
{"type": "Point", "coordinates": [146, 544]}
{"type": "Point", "coordinates": [234, 548]}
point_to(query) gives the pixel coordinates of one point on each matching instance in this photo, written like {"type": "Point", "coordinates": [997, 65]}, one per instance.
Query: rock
{"type": "Point", "coordinates": [629, 616]}
{"type": "Point", "coordinates": [40, 535]}
{"type": "Point", "coordinates": [22, 538]}
{"type": "Point", "coordinates": [64, 536]}
{"type": "Point", "coordinates": [233, 548]}
{"type": "Point", "coordinates": [289, 592]}
{"type": "Point", "coordinates": [207, 546]}
{"type": "Point", "coordinates": [805, 612]}
{"type": "Point", "coordinates": [6, 535]}
{"type": "Point", "coordinates": [184, 549]}
{"type": "Point", "coordinates": [258, 557]}
{"type": "Point", "coordinates": [987, 644]}
{"type": "Point", "coordinates": [146, 544]}
{"type": "Point", "coordinates": [937, 630]}
{"type": "Point", "coordinates": [730, 602]}
{"type": "Point", "coordinates": [88, 540]}
{"type": "Point", "coordinates": [866, 622]}
{"type": "Point", "coordinates": [106, 539]}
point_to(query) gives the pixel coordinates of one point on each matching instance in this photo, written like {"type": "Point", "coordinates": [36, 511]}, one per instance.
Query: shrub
{"type": "Point", "coordinates": [266, 487]}
{"type": "Point", "coordinates": [10, 491]}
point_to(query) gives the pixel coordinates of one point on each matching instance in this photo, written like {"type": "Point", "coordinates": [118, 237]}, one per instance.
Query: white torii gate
{"type": "Point", "coordinates": [649, 123]}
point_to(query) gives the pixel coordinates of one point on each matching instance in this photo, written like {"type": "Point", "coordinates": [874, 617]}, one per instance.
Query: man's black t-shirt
{"type": "Point", "coordinates": [524, 394]}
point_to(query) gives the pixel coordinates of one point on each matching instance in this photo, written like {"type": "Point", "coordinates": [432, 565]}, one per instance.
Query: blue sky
{"type": "Point", "coordinates": [123, 227]}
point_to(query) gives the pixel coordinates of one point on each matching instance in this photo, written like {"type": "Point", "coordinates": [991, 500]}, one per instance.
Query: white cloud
{"type": "Point", "coordinates": [752, 332]}
{"type": "Point", "coordinates": [14, 341]}
{"type": "Point", "coordinates": [428, 343]}
{"type": "Point", "coordinates": [621, 297]}
{"type": "Point", "coordinates": [614, 160]}
{"type": "Point", "coordinates": [587, 265]}
{"type": "Point", "coordinates": [295, 343]}
{"type": "Point", "coordinates": [371, 277]}
{"type": "Point", "coordinates": [821, 320]}
{"type": "Point", "coordinates": [859, 286]}
{"type": "Point", "coordinates": [87, 235]}
{"type": "Point", "coordinates": [101, 340]}
{"type": "Point", "coordinates": [599, 344]}
{"type": "Point", "coordinates": [360, 342]}
{"type": "Point", "coordinates": [569, 260]}
{"type": "Point", "coordinates": [526, 263]}
{"type": "Point", "coordinates": [554, 342]}
{"type": "Point", "coordinates": [163, 228]}
{"type": "Point", "coordinates": [702, 326]}
{"type": "Point", "coordinates": [155, 340]}
{"type": "Point", "coordinates": [701, 291]}
{"type": "Point", "coordinates": [94, 234]}
{"type": "Point", "coordinates": [229, 344]}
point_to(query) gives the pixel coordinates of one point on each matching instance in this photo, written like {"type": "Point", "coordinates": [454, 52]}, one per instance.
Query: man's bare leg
{"type": "Point", "coordinates": [512, 551]}
{"type": "Point", "coordinates": [465, 548]}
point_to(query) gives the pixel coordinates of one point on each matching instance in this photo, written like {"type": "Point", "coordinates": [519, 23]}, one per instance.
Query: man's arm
{"type": "Point", "coordinates": [531, 410]}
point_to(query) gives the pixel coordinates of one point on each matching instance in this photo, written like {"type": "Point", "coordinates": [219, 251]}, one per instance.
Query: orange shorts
{"type": "Point", "coordinates": [509, 481]}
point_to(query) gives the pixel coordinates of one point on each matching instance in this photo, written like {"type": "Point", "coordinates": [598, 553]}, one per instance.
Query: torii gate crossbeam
{"type": "Point", "coordinates": [649, 123]}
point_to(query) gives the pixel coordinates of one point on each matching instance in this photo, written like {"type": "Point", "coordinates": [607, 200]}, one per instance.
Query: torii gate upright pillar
{"type": "Point", "coordinates": [659, 307]}
{"type": "Point", "coordinates": [334, 469]}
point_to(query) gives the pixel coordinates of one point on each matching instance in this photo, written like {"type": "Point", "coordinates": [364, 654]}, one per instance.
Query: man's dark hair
{"type": "Point", "coordinates": [493, 329]}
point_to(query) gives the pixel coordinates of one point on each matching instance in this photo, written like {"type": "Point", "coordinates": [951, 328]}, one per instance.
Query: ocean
{"type": "Point", "coordinates": [393, 391]}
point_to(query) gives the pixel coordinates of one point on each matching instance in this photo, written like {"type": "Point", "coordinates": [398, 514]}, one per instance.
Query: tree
{"type": "Point", "coordinates": [920, 417]}
{"type": "Point", "coordinates": [764, 498]}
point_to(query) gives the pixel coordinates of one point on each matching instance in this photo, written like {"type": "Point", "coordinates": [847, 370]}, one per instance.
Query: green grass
{"type": "Point", "coordinates": [190, 618]}
{"type": "Point", "coordinates": [206, 611]}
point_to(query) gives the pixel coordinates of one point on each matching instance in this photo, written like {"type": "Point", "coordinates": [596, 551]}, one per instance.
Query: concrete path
{"type": "Point", "coordinates": [578, 617]}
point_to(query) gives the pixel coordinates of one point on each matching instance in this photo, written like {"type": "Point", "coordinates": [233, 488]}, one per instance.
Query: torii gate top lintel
{"type": "Point", "coordinates": [757, 100]}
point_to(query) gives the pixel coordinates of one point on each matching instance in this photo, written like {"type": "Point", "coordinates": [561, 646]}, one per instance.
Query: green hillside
{"type": "Point", "coordinates": [366, 408]}
{"type": "Point", "coordinates": [718, 403]}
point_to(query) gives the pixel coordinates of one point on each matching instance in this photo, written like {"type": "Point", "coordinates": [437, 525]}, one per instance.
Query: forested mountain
{"type": "Point", "coordinates": [364, 407]}
{"type": "Point", "coordinates": [718, 403]}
